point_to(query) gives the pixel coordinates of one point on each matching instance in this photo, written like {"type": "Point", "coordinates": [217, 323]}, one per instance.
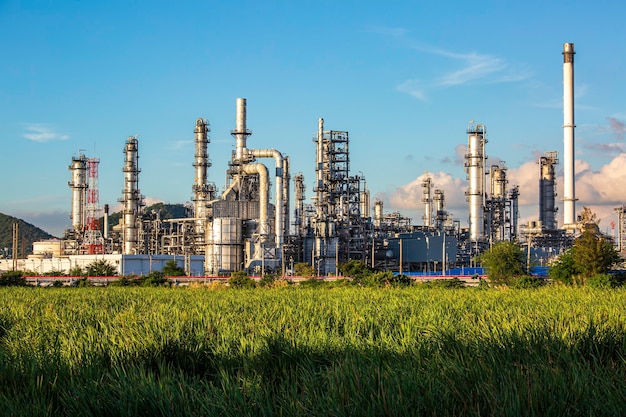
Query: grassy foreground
{"type": "Point", "coordinates": [295, 351]}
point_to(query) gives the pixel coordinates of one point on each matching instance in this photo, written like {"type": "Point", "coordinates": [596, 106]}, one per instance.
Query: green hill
{"type": "Point", "coordinates": [27, 235]}
{"type": "Point", "coordinates": [166, 211]}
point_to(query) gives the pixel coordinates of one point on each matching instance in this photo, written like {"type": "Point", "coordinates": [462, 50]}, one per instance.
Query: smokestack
{"type": "Point", "coordinates": [106, 221]}
{"type": "Point", "coordinates": [569, 197]}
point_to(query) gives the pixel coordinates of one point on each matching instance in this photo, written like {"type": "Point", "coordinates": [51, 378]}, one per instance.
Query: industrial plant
{"type": "Point", "coordinates": [254, 226]}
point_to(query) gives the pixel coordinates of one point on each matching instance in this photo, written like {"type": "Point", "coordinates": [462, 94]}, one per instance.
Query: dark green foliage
{"type": "Point", "coordinates": [313, 283]}
{"type": "Point", "coordinates": [303, 269]}
{"type": "Point", "coordinates": [383, 279]}
{"type": "Point", "coordinates": [100, 268]}
{"type": "Point", "coordinates": [53, 273]}
{"type": "Point", "coordinates": [528, 281]}
{"type": "Point", "coordinates": [453, 283]}
{"type": "Point", "coordinates": [154, 279]}
{"type": "Point", "coordinates": [12, 279]}
{"type": "Point", "coordinates": [81, 283]}
{"type": "Point", "coordinates": [504, 261]}
{"type": "Point", "coordinates": [57, 284]}
{"type": "Point", "coordinates": [604, 281]}
{"type": "Point", "coordinates": [27, 233]}
{"type": "Point", "coordinates": [241, 280]}
{"type": "Point", "coordinates": [267, 280]}
{"type": "Point", "coordinates": [564, 268]}
{"type": "Point", "coordinates": [593, 254]}
{"type": "Point", "coordinates": [171, 269]}
{"type": "Point", "coordinates": [355, 269]}
{"type": "Point", "coordinates": [76, 271]}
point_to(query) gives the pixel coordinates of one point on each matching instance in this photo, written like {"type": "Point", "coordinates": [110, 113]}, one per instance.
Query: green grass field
{"type": "Point", "coordinates": [295, 351]}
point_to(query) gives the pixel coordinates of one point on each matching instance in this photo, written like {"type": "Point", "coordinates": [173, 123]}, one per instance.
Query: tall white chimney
{"type": "Point", "coordinates": [569, 195]}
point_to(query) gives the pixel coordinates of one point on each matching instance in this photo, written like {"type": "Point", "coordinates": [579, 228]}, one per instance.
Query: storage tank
{"type": "Point", "coordinates": [224, 250]}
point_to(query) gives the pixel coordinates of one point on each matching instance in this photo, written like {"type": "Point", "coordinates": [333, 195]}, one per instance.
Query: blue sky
{"type": "Point", "coordinates": [404, 78]}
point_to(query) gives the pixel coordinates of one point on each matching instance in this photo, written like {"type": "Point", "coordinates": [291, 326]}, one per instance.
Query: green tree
{"type": "Point", "coordinates": [12, 278]}
{"type": "Point", "coordinates": [303, 269]}
{"type": "Point", "coordinates": [564, 268]}
{"type": "Point", "coordinates": [593, 254]}
{"type": "Point", "coordinates": [355, 268]}
{"type": "Point", "coordinates": [504, 261]}
{"type": "Point", "coordinates": [241, 280]}
{"type": "Point", "coordinates": [171, 269]}
{"type": "Point", "coordinates": [100, 268]}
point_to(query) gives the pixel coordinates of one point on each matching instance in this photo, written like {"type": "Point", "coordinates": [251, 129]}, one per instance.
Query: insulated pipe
{"type": "Point", "coordinates": [569, 195]}
{"type": "Point", "coordinates": [278, 159]}
{"type": "Point", "coordinates": [263, 194]}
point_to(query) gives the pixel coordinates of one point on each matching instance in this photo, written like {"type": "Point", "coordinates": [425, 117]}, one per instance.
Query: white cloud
{"type": "Point", "coordinates": [38, 132]}
{"type": "Point", "coordinates": [597, 189]}
{"type": "Point", "coordinates": [412, 87]}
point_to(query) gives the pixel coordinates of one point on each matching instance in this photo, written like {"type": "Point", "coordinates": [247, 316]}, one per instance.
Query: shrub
{"type": "Point", "coordinates": [241, 280]}
{"type": "Point", "coordinates": [444, 283]}
{"type": "Point", "coordinates": [267, 281]}
{"type": "Point", "coordinates": [155, 279]}
{"type": "Point", "coordinates": [528, 281]}
{"type": "Point", "coordinates": [12, 279]}
{"type": "Point", "coordinates": [603, 281]}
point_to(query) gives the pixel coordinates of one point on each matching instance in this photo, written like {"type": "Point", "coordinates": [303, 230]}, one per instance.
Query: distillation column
{"type": "Point", "coordinates": [440, 210]}
{"type": "Point", "coordinates": [300, 188]}
{"type": "Point", "coordinates": [547, 190]}
{"type": "Point", "coordinates": [131, 197]}
{"type": "Point", "coordinates": [427, 199]}
{"type": "Point", "coordinates": [569, 197]}
{"type": "Point", "coordinates": [203, 191]}
{"type": "Point", "coordinates": [79, 191]}
{"type": "Point", "coordinates": [475, 168]}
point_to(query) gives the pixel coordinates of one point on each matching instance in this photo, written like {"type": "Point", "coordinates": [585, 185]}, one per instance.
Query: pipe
{"type": "Point", "coordinates": [263, 194]}
{"type": "Point", "coordinates": [278, 159]}
{"type": "Point", "coordinates": [569, 194]}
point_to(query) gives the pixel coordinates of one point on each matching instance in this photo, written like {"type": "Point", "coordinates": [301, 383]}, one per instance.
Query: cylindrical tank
{"type": "Point", "coordinates": [224, 250]}
{"type": "Point", "coordinates": [475, 167]}
{"type": "Point", "coordinates": [79, 191]}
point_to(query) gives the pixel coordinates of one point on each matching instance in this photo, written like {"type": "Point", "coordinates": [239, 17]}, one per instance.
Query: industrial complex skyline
{"type": "Point", "coordinates": [404, 81]}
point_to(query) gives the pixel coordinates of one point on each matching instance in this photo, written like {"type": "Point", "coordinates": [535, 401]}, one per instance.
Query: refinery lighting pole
{"type": "Point", "coordinates": [569, 197]}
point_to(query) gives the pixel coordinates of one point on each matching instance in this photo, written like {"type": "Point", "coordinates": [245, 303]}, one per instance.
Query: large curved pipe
{"type": "Point", "coordinates": [263, 194]}
{"type": "Point", "coordinates": [279, 161]}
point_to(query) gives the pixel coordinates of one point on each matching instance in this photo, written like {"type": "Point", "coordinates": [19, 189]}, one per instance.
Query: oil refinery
{"type": "Point", "coordinates": [253, 224]}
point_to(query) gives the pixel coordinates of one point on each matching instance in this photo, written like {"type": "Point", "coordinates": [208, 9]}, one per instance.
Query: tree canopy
{"type": "Point", "coordinates": [503, 261]}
